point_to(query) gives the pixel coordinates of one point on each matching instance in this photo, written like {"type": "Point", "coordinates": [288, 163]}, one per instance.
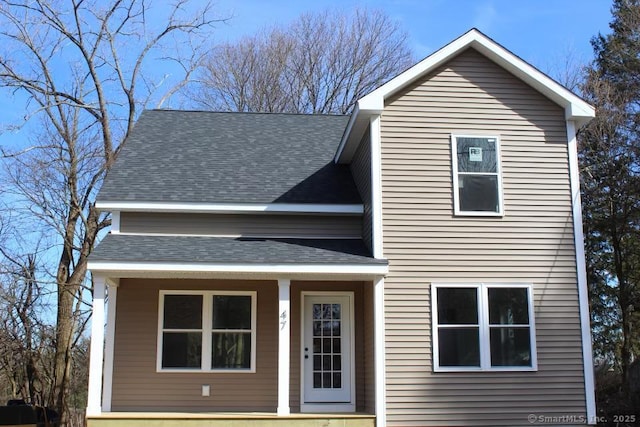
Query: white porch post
{"type": "Point", "coordinates": [284, 345]}
{"type": "Point", "coordinates": [96, 355]}
{"type": "Point", "coordinates": [379, 352]}
{"type": "Point", "coordinates": [112, 294]}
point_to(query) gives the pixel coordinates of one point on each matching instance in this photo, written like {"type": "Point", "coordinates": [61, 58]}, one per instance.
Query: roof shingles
{"type": "Point", "coordinates": [122, 248]}
{"type": "Point", "coordinates": [211, 157]}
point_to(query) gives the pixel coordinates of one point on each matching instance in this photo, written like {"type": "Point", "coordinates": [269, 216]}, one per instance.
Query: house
{"type": "Point", "coordinates": [417, 263]}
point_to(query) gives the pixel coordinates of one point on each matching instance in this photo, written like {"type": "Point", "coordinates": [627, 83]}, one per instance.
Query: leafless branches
{"type": "Point", "coordinates": [84, 69]}
{"type": "Point", "coordinates": [321, 63]}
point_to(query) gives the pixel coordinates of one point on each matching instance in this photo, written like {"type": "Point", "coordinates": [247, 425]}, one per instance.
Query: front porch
{"type": "Point", "coordinates": [220, 419]}
{"type": "Point", "coordinates": [311, 358]}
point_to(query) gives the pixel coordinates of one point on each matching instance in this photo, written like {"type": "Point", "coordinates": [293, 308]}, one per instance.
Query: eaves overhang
{"type": "Point", "coordinates": [576, 109]}
{"type": "Point", "coordinates": [231, 208]}
{"type": "Point", "coordinates": [117, 270]}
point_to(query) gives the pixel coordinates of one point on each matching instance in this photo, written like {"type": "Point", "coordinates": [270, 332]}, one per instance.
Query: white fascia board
{"type": "Point", "coordinates": [302, 208]}
{"type": "Point", "coordinates": [327, 269]}
{"type": "Point", "coordinates": [576, 109]}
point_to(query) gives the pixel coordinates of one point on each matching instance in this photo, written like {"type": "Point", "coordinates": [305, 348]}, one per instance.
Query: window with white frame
{"type": "Point", "coordinates": [483, 327]}
{"type": "Point", "coordinates": [477, 181]}
{"type": "Point", "coordinates": [207, 331]}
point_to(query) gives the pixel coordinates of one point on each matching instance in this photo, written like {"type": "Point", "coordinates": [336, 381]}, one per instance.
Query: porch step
{"type": "Point", "coordinates": [156, 419]}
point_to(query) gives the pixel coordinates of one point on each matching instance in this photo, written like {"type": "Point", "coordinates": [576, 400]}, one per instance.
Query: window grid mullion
{"type": "Point", "coordinates": [478, 173]}
{"type": "Point", "coordinates": [508, 325]}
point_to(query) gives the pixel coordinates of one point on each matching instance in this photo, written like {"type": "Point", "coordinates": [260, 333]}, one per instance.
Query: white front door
{"type": "Point", "coordinates": [327, 353]}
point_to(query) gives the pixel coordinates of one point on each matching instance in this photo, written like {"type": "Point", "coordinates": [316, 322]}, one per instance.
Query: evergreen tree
{"type": "Point", "coordinates": [610, 174]}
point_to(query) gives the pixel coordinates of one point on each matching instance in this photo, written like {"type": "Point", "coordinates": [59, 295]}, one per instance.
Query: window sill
{"type": "Point", "coordinates": [205, 371]}
{"type": "Point", "coordinates": [496, 369]}
{"type": "Point", "coordinates": [478, 214]}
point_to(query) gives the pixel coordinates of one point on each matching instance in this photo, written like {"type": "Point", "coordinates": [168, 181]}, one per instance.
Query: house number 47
{"type": "Point", "coordinates": [283, 319]}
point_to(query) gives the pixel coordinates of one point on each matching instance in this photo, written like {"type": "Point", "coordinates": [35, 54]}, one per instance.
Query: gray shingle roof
{"type": "Point", "coordinates": [219, 250]}
{"type": "Point", "coordinates": [209, 157]}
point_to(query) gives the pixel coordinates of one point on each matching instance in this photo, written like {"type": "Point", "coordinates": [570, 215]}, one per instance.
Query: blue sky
{"type": "Point", "coordinates": [539, 31]}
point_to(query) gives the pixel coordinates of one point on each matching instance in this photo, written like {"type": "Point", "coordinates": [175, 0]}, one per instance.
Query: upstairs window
{"type": "Point", "coordinates": [483, 327]}
{"type": "Point", "coordinates": [207, 331]}
{"type": "Point", "coordinates": [477, 180]}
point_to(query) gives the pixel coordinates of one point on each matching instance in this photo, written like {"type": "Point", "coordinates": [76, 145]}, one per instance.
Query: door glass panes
{"type": "Point", "coordinates": [327, 345]}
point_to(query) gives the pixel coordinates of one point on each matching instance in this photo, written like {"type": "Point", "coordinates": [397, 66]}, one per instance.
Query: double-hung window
{"type": "Point", "coordinates": [483, 327]}
{"type": "Point", "coordinates": [207, 331]}
{"type": "Point", "coordinates": [477, 182]}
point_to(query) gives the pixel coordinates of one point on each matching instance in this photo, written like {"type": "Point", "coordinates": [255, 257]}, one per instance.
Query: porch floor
{"type": "Point", "coordinates": [229, 419]}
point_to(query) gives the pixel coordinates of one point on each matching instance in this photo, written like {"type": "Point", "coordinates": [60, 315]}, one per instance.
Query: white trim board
{"type": "Point", "coordinates": [329, 269]}
{"type": "Point", "coordinates": [282, 208]}
{"type": "Point", "coordinates": [583, 293]}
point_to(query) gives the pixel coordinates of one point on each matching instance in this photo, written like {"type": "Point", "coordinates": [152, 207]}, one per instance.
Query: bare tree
{"type": "Point", "coordinates": [321, 63]}
{"type": "Point", "coordinates": [22, 334]}
{"type": "Point", "coordinates": [84, 69]}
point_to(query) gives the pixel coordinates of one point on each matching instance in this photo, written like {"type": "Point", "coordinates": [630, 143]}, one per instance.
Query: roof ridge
{"type": "Point", "coordinates": [172, 110]}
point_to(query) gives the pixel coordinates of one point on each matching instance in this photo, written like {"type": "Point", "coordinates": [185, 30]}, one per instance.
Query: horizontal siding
{"type": "Point", "coordinates": [319, 226]}
{"type": "Point", "coordinates": [425, 243]}
{"type": "Point", "coordinates": [138, 387]}
{"type": "Point", "coordinates": [361, 171]}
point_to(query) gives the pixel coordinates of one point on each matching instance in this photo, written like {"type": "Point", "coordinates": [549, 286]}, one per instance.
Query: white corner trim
{"type": "Point", "coordinates": [376, 187]}
{"type": "Point", "coordinates": [583, 292]}
{"type": "Point", "coordinates": [284, 345]}
{"type": "Point", "coordinates": [284, 208]}
{"type": "Point", "coordinates": [96, 352]}
{"type": "Point", "coordinates": [329, 269]}
{"type": "Point", "coordinates": [107, 387]}
{"type": "Point", "coordinates": [379, 353]}
{"type": "Point", "coordinates": [115, 222]}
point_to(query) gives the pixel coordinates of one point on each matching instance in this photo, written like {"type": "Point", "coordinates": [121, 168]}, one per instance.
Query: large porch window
{"type": "Point", "coordinates": [213, 331]}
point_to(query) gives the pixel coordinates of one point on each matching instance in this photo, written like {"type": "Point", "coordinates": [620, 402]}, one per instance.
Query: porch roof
{"type": "Point", "coordinates": [118, 254]}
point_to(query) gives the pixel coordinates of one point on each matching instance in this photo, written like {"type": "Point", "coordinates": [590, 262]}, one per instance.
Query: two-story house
{"type": "Point", "coordinates": [416, 263]}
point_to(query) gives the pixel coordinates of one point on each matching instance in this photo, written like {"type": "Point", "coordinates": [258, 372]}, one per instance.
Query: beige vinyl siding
{"type": "Point", "coordinates": [361, 171]}
{"type": "Point", "coordinates": [425, 243]}
{"type": "Point", "coordinates": [138, 387]}
{"type": "Point", "coordinates": [248, 225]}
